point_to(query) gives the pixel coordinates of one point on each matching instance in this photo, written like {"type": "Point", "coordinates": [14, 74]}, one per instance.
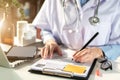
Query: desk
{"type": "Point", "coordinates": [113, 74]}
{"type": "Point", "coordinates": [21, 73]}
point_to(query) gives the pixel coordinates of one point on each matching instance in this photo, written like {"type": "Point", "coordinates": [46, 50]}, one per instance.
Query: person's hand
{"type": "Point", "coordinates": [87, 54]}
{"type": "Point", "coordinates": [50, 47]}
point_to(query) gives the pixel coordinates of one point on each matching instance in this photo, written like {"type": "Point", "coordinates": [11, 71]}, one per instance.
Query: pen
{"type": "Point", "coordinates": [88, 42]}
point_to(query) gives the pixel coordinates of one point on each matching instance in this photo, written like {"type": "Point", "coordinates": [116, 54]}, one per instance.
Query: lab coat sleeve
{"type": "Point", "coordinates": [112, 49]}
{"type": "Point", "coordinates": [115, 28]}
{"type": "Point", "coordinates": [41, 21]}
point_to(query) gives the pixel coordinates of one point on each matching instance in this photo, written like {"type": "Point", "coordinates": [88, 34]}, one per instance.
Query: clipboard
{"type": "Point", "coordinates": [63, 67]}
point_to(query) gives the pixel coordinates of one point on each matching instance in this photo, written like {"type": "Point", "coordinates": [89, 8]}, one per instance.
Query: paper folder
{"type": "Point", "coordinates": [64, 67]}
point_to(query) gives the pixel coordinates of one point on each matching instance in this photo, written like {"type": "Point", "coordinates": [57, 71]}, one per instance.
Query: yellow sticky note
{"type": "Point", "coordinates": [75, 68]}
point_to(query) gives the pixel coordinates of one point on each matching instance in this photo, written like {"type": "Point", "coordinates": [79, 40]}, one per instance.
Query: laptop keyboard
{"type": "Point", "coordinates": [17, 63]}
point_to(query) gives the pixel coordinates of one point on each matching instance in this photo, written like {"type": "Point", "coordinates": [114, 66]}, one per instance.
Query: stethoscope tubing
{"type": "Point", "coordinates": [94, 20]}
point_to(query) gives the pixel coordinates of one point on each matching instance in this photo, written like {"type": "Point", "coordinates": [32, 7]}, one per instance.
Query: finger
{"type": "Point", "coordinates": [42, 52]}
{"type": "Point", "coordinates": [84, 58]}
{"type": "Point", "coordinates": [87, 58]}
{"type": "Point", "coordinates": [51, 51]}
{"type": "Point", "coordinates": [75, 53]}
{"type": "Point", "coordinates": [80, 58]}
{"type": "Point", "coordinates": [79, 51]}
{"type": "Point", "coordinates": [79, 54]}
{"type": "Point", "coordinates": [59, 51]}
{"type": "Point", "coordinates": [46, 52]}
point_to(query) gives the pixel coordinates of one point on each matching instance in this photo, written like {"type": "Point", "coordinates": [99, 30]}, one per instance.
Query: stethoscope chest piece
{"type": "Point", "coordinates": [94, 20]}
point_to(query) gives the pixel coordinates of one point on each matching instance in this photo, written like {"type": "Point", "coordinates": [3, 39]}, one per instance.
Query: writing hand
{"type": "Point", "coordinates": [87, 54]}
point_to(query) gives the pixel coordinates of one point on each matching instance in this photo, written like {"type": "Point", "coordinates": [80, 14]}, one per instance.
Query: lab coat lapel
{"type": "Point", "coordinates": [80, 8]}
{"type": "Point", "coordinates": [89, 4]}
{"type": "Point", "coordinates": [92, 4]}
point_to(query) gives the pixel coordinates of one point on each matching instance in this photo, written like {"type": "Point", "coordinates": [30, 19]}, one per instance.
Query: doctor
{"type": "Point", "coordinates": [73, 22]}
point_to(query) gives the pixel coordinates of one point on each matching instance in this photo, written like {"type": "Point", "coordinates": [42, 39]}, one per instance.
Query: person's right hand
{"type": "Point", "coordinates": [50, 47]}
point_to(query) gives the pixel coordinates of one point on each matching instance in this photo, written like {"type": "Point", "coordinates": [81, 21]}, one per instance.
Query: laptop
{"type": "Point", "coordinates": [3, 59]}
{"type": "Point", "coordinates": [5, 62]}
{"type": "Point", "coordinates": [5, 47]}
{"type": "Point", "coordinates": [18, 52]}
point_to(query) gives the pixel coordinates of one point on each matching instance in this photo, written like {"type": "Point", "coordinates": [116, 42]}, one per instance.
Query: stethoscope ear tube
{"type": "Point", "coordinates": [94, 20]}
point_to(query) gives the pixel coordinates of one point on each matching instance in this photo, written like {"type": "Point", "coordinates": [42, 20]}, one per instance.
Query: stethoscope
{"type": "Point", "coordinates": [94, 20]}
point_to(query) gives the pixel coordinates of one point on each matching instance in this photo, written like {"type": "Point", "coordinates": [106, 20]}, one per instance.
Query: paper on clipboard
{"type": "Point", "coordinates": [62, 66]}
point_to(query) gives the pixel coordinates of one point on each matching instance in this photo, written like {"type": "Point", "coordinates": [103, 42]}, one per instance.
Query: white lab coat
{"type": "Point", "coordinates": [64, 26]}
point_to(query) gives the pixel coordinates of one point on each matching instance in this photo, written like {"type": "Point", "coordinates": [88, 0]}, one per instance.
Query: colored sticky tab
{"type": "Point", "coordinates": [75, 69]}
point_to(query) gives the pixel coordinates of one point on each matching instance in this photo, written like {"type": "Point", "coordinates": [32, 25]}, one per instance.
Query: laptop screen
{"type": "Point", "coordinates": [3, 59]}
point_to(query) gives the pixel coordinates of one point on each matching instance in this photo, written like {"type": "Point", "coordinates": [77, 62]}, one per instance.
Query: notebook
{"type": "Point", "coordinates": [63, 66]}
{"type": "Point", "coordinates": [5, 62]}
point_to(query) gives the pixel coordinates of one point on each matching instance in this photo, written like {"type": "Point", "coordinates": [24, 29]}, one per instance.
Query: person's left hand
{"type": "Point", "coordinates": [48, 50]}
{"type": "Point", "coordinates": [87, 54]}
